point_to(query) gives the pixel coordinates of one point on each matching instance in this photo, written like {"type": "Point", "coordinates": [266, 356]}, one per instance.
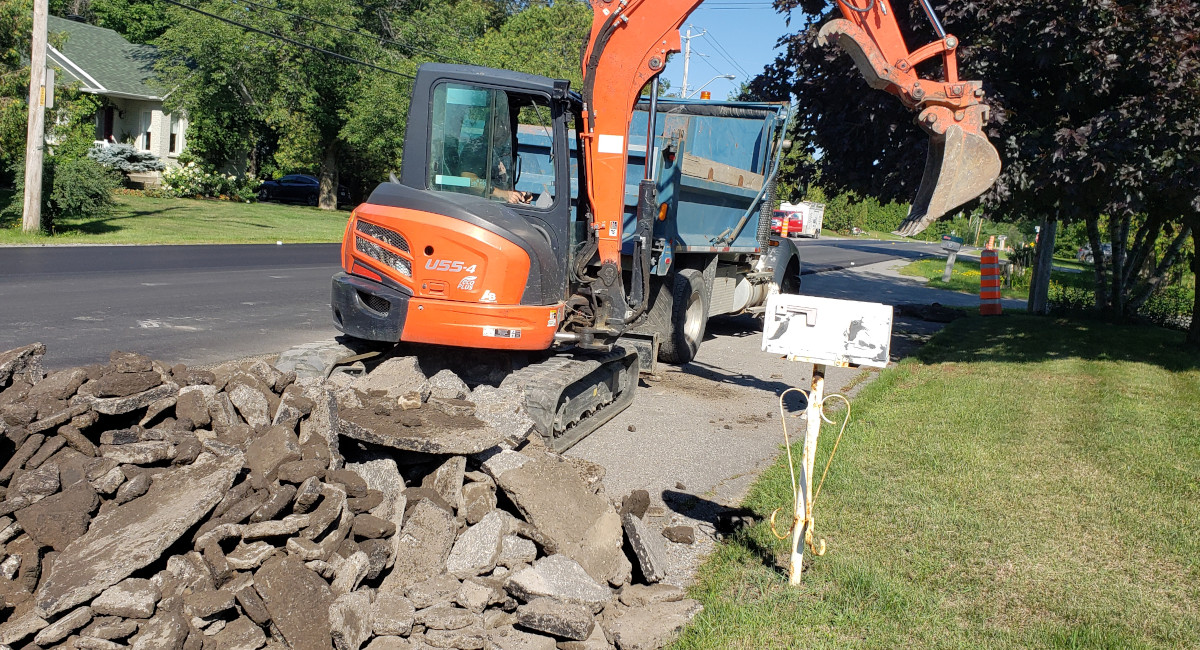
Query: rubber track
{"type": "Point", "coordinates": [543, 384]}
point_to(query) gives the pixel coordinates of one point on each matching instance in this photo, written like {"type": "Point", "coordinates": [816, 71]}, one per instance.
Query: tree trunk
{"type": "Point", "coordinates": [1119, 233]}
{"type": "Point", "coordinates": [329, 175]}
{"type": "Point", "coordinates": [1145, 243]}
{"type": "Point", "coordinates": [1098, 265]}
{"type": "Point", "coordinates": [252, 162]}
{"type": "Point", "coordinates": [1159, 273]}
{"type": "Point", "coordinates": [1193, 335]}
{"type": "Point", "coordinates": [1039, 289]}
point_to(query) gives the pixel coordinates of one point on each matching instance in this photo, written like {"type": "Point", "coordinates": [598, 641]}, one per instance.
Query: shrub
{"type": "Point", "coordinates": [125, 158]}
{"type": "Point", "coordinates": [194, 181]}
{"type": "Point", "coordinates": [1170, 307]}
{"type": "Point", "coordinates": [1020, 278]}
{"type": "Point", "coordinates": [70, 188]}
{"type": "Point", "coordinates": [82, 188]}
{"type": "Point", "coordinates": [1069, 298]}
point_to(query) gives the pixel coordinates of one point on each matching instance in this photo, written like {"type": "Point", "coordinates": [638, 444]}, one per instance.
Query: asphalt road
{"type": "Point", "coordinates": [822, 255]}
{"type": "Point", "coordinates": [188, 304]}
{"type": "Point", "coordinates": [205, 304]}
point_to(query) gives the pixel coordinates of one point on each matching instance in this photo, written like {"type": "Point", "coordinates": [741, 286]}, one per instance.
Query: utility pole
{"type": "Point", "coordinates": [687, 56]}
{"type": "Point", "coordinates": [35, 135]}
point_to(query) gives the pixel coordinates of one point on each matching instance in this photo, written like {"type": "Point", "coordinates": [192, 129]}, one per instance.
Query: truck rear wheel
{"type": "Point", "coordinates": [689, 317]}
{"type": "Point", "coordinates": [791, 278]}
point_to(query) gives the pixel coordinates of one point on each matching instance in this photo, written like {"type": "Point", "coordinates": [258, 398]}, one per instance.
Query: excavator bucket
{"type": "Point", "coordinates": [960, 166]}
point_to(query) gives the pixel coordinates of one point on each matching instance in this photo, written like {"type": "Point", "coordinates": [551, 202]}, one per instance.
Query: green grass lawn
{"type": "Point", "coordinates": [142, 220]}
{"type": "Point", "coordinates": [1023, 483]}
{"type": "Point", "coordinates": [1072, 263]}
{"type": "Point", "coordinates": [965, 277]}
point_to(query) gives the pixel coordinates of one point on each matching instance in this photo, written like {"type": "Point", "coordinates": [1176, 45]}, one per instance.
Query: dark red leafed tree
{"type": "Point", "coordinates": [1095, 111]}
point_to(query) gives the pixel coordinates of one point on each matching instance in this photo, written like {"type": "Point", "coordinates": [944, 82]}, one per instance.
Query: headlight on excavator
{"type": "Point", "coordinates": [379, 253]}
{"type": "Point", "coordinates": [389, 237]}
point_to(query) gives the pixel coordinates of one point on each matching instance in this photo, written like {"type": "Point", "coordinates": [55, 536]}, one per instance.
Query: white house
{"type": "Point", "coordinates": [105, 64]}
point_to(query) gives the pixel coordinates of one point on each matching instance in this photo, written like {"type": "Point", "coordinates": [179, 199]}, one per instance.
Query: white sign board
{"type": "Point", "coordinates": [828, 331]}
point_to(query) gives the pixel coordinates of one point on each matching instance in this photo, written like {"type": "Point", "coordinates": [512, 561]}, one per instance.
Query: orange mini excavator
{"type": "Point", "coordinates": [475, 246]}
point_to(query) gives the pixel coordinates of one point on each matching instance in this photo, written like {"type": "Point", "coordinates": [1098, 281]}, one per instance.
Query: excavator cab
{"type": "Point", "coordinates": [472, 246]}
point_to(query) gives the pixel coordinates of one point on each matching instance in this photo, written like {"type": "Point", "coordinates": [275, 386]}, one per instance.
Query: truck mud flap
{"type": "Point", "coordinates": [570, 396]}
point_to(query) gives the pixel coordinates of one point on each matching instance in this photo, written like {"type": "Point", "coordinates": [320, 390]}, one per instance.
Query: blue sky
{"type": "Point", "coordinates": [740, 40]}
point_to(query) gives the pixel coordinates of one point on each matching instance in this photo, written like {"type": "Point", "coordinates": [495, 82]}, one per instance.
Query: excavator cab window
{"type": "Point", "coordinates": [478, 144]}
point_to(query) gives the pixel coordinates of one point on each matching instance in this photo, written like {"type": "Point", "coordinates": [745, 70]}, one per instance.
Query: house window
{"type": "Point", "coordinates": [145, 129]}
{"type": "Point", "coordinates": [176, 142]}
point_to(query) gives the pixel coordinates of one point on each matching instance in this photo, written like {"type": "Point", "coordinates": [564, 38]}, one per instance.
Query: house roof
{"type": "Point", "coordinates": [103, 61]}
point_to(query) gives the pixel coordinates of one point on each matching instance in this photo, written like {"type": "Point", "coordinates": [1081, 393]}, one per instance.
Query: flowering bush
{"type": "Point", "coordinates": [194, 181]}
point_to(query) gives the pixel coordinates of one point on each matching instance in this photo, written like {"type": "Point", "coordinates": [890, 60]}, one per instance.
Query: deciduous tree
{"type": "Point", "coordinates": [249, 92]}
{"type": "Point", "coordinates": [1094, 110]}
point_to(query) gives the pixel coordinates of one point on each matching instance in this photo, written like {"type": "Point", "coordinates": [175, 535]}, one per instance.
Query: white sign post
{"type": "Point", "coordinates": [824, 332]}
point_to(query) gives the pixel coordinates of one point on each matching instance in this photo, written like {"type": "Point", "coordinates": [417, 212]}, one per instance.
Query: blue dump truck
{"type": "Point", "coordinates": [714, 164]}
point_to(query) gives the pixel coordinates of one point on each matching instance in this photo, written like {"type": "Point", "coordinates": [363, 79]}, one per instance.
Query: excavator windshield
{"type": "Point", "coordinates": [471, 144]}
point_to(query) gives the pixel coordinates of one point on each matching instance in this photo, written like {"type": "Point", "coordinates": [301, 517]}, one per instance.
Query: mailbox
{"type": "Point", "coordinates": [828, 331]}
{"type": "Point", "coordinates": [951, 243]}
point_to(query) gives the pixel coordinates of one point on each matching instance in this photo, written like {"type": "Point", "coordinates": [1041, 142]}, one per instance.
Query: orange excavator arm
{"type": "Point", "coordinates": [628, 47]}
{"type": "Point", "coordinates": [961, 164]}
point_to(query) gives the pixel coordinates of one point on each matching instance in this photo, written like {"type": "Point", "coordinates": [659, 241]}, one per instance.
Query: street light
{"type": "Point", "coordinates": [720, 76]}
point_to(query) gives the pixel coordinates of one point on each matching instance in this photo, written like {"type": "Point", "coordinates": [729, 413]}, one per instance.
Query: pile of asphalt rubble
{"type": "Point", "coordinates": [242, 507]}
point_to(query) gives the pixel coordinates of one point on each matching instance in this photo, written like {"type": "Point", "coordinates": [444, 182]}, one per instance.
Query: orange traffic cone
{"type": "Point", "coordinates": [989, 283]}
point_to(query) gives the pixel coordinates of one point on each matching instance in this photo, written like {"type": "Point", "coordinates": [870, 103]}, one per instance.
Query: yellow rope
{"type": "Point", "coordinates": [808, 535]}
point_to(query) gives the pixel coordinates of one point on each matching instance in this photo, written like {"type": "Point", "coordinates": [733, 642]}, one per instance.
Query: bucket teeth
{"type": "Point", "coordinates": [960, 166]}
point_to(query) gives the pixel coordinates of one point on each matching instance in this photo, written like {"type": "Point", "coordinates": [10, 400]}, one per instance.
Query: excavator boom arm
{"type": "Point", "coordinates": [628, 47]}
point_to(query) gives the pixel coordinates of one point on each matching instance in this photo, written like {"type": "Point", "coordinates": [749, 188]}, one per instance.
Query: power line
{"type": "Point", "coordinates": [290, 41]}
{"type": "Point", "coordinates": [374, 37]}
{"type": "Point", "coordinates": [704, 58]}
{"type": "Point", "coordinates": [725, 54]}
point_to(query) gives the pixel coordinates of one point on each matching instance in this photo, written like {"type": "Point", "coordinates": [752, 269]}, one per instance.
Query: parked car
{"type": "Point", "coordinates": [794, 221]}
{"type": "Point", "coordinates": [297, 188]}
{"type": "Point", "coordinates": [1084, 254]}
{"type": "Point", "coordinates": [804, 219]}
